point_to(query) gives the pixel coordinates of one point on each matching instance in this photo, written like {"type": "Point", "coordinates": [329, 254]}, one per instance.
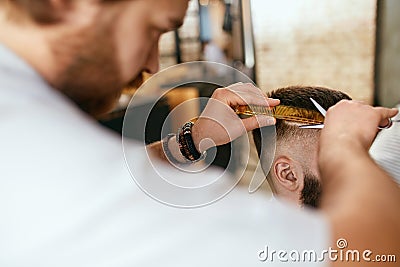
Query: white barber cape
{"type": "Point", "coordinates": [67, 198]}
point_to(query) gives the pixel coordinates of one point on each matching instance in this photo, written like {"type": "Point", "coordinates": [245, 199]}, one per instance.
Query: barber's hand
{"type": "Point", "coordinates": [219, 124]}
{"type": "Point", "coordinates": [351, 124]}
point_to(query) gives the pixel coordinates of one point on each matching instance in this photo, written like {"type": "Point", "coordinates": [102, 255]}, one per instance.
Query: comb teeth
{"type": "Point", "coordinates": [252, 110]}
{"type": "Point", "coordinates": [282, 112]}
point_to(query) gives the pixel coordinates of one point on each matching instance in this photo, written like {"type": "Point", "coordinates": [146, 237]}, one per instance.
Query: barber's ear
{"type": "Point", "coordinates": [287, 173]}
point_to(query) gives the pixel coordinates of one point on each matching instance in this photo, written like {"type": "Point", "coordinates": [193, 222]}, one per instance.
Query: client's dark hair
{"type": "Point", "coordinates": [290, 136]}
{"type": "Point", "coordinates": [299, 96]}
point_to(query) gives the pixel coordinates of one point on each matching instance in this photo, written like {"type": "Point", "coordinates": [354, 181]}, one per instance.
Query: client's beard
{"type": "Point", "coordinates": [311, 193]}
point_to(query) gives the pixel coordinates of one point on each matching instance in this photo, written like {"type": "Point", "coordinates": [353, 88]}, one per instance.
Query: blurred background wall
{"type": "Point", "coordinates": [388, 53]}
{"type": "Point", "coordinates": [313, 42]}
{"type": "Point", "coordinates": [351, 45]}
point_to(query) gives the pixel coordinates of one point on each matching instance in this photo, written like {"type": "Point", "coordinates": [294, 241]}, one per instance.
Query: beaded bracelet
{"type": "Point", "coordinates": [186, 144]}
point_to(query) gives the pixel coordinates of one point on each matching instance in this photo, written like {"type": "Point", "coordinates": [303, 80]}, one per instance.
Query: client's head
{"type": "Point", "coordinates": [294, 171]}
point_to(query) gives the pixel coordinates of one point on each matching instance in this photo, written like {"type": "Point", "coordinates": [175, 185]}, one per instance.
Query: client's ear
{"type": "Point", "coordinates": [287, 173]}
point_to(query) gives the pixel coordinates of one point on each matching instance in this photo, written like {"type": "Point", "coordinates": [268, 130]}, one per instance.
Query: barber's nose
{"type": "Point", "coordinates": [153, 61]}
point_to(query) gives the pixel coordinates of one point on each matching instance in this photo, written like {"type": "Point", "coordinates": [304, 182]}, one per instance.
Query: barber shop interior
{"type": "Point", "coordinates": [350, 46]}
{"type": "Point", "coordinates": [192, 133]}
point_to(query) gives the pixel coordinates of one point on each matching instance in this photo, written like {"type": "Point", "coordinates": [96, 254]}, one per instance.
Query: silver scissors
{"type": "Point", "coordinates": [323, 112]}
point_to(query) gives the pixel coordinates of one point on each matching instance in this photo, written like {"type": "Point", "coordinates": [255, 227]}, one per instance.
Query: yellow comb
{"type": "Point", "coordinates": [282, 112]}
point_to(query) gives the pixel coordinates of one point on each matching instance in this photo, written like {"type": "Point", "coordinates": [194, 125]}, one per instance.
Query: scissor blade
{"type": "Point", "coordinates": [319, 107]}
{"type": "Point", "coordinates": [314, 126]}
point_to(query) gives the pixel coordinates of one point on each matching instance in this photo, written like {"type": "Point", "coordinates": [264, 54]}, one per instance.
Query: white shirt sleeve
{"type": "Point", "coordinates": [89, 212]}
{"type": "Point", "coordinates": [386, 150]}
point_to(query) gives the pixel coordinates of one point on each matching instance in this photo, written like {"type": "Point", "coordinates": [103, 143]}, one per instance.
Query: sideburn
{"type": "Point", "coordinates": [312, 190]}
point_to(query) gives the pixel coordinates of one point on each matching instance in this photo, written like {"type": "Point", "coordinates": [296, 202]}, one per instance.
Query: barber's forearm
{"type": "Point", "coordinates": [361, 201]}
{"type": "Point", "coordinates": [337, 165]}
{"type": "Point", "coordinates": [352, 179]}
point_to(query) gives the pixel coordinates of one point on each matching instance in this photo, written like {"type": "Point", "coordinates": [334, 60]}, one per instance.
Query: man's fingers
{"type": "Point", "coordinates": [256, 100]}
{"type": "Point", "coordinates": [257, 122]}
{"type": "Point", "coordinates": [252, 98]}
{"type": "Point", "coordinates": [245, 94]}
{"type": "Point", "coordinates": [386, 114]}
{"type": "Point", "coordinates": [393, 112]}
{"type": "Point", "coordinates": [272, 102]}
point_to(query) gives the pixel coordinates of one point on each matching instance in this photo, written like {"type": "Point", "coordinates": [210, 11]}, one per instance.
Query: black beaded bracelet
{"type": "Point", "coordinates": [186, 144]}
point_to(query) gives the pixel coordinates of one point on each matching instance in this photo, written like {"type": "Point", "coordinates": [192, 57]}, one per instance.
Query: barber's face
{"type": "Point", "coordinates": [137, 33]}
{"type": "Point", "coordinates": [119, 43]}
